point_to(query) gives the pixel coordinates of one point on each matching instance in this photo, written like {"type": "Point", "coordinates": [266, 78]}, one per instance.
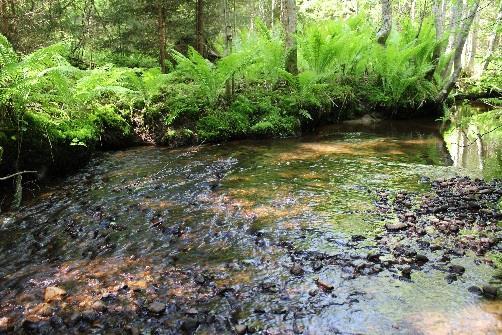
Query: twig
{"type": "Point", "coordinates": [17, 174]}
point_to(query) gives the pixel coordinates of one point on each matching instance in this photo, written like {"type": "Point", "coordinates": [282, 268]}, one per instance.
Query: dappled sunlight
{"type": "Point", "coordinates": [313, 151]}
{"type": "Point", "coordinates": [485, 318]}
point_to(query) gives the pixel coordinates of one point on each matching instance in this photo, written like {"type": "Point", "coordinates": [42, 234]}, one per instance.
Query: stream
{"type": "Point", "coordinates": [289, 236]}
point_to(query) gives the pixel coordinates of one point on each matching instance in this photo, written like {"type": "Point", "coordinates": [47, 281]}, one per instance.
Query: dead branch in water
{"type": "Point", "coordinates": [17, 174]}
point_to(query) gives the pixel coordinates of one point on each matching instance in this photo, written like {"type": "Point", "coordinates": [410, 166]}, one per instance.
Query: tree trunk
{"type": "Point", "coordinates": [457, 58]}
{"type": "Point", "coordinates": [199, 31]}
{"type": "Point", "coordinates": [456, 33]}
{"type": "Point", "coordinates": [386, 27]}
{"type": "Point", "coordinates": [438, 9]}
{"type": "Point", "coordinates": [4, 18]}
{"type": "Point", "coordinates": [493, 41]}
{"type": "Point", "coordinates": [162, 35]}
{"type": "Point", "coordinates": [473, 46]}
{"type": "Point", "coordinates": [228, 43]}
{"type": "Point", "coordinates": [272, 12]}
{"type": "Point", "coordinates": [412, 10]}
{"type": "Point", "coordinates": [288, 19]}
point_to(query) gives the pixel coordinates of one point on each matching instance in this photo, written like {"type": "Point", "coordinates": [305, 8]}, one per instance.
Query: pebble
{"type": "Point", "coordinates": [44, 310]}
{"type": "Point", "coordinates": [490, 291]}
{"type": "Point", "coordinates": [241, 329]}
{"type": "Point", "coordinates": [156, 307]}
{"type": "Point", "coordinates": [297, 270]}
{"type": "Point", "coordinates": [324, 284]}
{"type": "Point", "coordinates": [457, 269]}
{"type": "Point", "coordinates": [199, 279]}
{"type": "Point", "coordinates": [89, 315]}
{"type": "Point", "coordinates": [396, 226]}
{"type": "Point", "coordinates": [406, 272]}
{"type": "Point", "coordinates": [421, 258]}
{"type": "Point", "coordinates": [476, 290]}
{"type": "Point", "coordinates": [317, 265]}
{"type": "Point", "coordinates": [53, 293]}
{"type": "Point", "coordinates": [99, 306]}
{"type": "Point", "coordinates": [192, 311]}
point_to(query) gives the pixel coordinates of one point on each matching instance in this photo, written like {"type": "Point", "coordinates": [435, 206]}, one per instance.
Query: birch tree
{"type": "Point", "coordinates": [457, 56]}
{"type": "Point", "coordinates": [493, 41]}
{"type": "Point", "coordinates": [384, 31]}
{"type": "Point", "coordinates": [289, 20]}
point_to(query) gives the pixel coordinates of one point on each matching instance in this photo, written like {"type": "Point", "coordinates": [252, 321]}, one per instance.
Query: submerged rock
{"type": "Point", "coordinates": [325, 285]}
{"type": "Point", "coordinates": [457, 269]}
{"type": "Point", "coordinates": [53, 293]}
{"type": "Point", "coordinates": [297, 270]}
{"type": "Point", "coordinates": [490, 292]}
{"type": "Point", "coordinates": [241, 329]}
{"type": "Point", "coordinates": [396, 226]}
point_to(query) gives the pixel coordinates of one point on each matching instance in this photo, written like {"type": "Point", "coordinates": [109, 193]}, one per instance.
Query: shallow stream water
{"type": "Point", "coordinates": [212, 232]}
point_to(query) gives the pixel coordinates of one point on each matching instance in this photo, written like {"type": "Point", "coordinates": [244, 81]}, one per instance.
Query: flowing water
{"type": "Point", "coordinates": [213, 231]}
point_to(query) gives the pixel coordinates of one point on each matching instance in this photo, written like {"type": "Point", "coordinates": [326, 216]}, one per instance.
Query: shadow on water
{"type": "Point", "coordinates": [211, 233]}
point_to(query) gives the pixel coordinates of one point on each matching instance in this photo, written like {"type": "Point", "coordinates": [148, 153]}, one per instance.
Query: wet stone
{"type": "Point", "coordinates": [421, 259]}
{"type": "Point", "coordinates": [317, 265]}
{"type": "Point", "coordinates": [189, 325]}
{"type": "Point", "coordinates": [156, 307]}
{"type": "Point", "coordinates": [490, 292]}
{"type": "Point", "coordinates": [53, 293]}
{"type": "Point", "coordinates": [450, 278]}
{"type": "Point", "coordinates": [396, 226]}
{"type": "Point", "coordinates": [240, 329]}
{"type": "Point", "coordinates": [475, 290]}
{"type": "Point", "coordinates": [269, 287]}
{"type": "Point", "coordinates": [297, 270]}
{"type": "Point", "coordinates": [373, 257]}
{"type": "Point", "coordinates": [457, 269]}
{"type": "Point", "coordinates": [99, 306]}
{"type": "Point", "coordinates": [199, 279]}
{"type": "Point", "coordinates": [89, 315]}
{"type": "Point", "coordinates": [324, 285]}
{"type": "Point", "coordinates": [44, 310]}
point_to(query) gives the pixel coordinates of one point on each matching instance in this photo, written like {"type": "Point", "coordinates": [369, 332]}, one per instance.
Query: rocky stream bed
{"type": "Point", "coordinates": [344, 232]}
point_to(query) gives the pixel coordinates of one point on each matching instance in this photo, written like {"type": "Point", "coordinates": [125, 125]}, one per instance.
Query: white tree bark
{"type": "Point", "coordinates": [457, 57]}
{"type": "Point", "coordinates": [289, 20]}
{"type": "Point", "coordinates": [455, 31]}
{"type": "Point", "coordinates": [386, 27]}
{"type": "Point", "coordinates": [493, 41]}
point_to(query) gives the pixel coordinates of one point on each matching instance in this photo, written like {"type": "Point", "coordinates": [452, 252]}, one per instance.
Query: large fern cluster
{"type": "Point", "coordinates": [48, 102]}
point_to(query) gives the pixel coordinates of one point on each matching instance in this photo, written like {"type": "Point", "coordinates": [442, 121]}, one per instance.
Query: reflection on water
{"type": "Point", "coordinates": [474, 140]}
{"type": "Point", "coordinates": [217, 227]}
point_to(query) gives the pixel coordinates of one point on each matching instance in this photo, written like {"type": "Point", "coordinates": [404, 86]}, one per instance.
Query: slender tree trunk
{"type": "Point", "coordinates": [493, 41]}
{"type": "Point", "coordinates": [473, 46]}
{"type": "Point", "coordinates": [438, 10]}
{"type": "Point", "coordinates": [228, 43]}
{"type": "Point", "coordinates": [457, 57]}
{"type": "Point", "coordinates": [386, 27]}
{"type": "Point", "coordinates": [288, 19]}
{"type": "Point", "coordinates": [272, 12]}
{"type": "Point", "coordinates": [4, 18]}
{"type": "Point", "coordinates": [199, 30]}
{"type": "Point", "coordinates": [456, 33]}
{"type": "Point", "coordinates": [412, 10]}
{"type": "Point", "coordinates": [162, 35]}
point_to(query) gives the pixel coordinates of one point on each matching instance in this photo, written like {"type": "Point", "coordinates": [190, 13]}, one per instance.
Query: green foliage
{"type": "Point", "coordinates": [59, 105]}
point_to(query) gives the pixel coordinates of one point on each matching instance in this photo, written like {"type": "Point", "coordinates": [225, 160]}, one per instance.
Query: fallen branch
{"type": "Point", "coordinates": [17, 174]}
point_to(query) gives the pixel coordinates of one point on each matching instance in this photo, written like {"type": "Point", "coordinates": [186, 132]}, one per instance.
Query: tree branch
{"type": "Point", "coordinates": [17, 174]}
